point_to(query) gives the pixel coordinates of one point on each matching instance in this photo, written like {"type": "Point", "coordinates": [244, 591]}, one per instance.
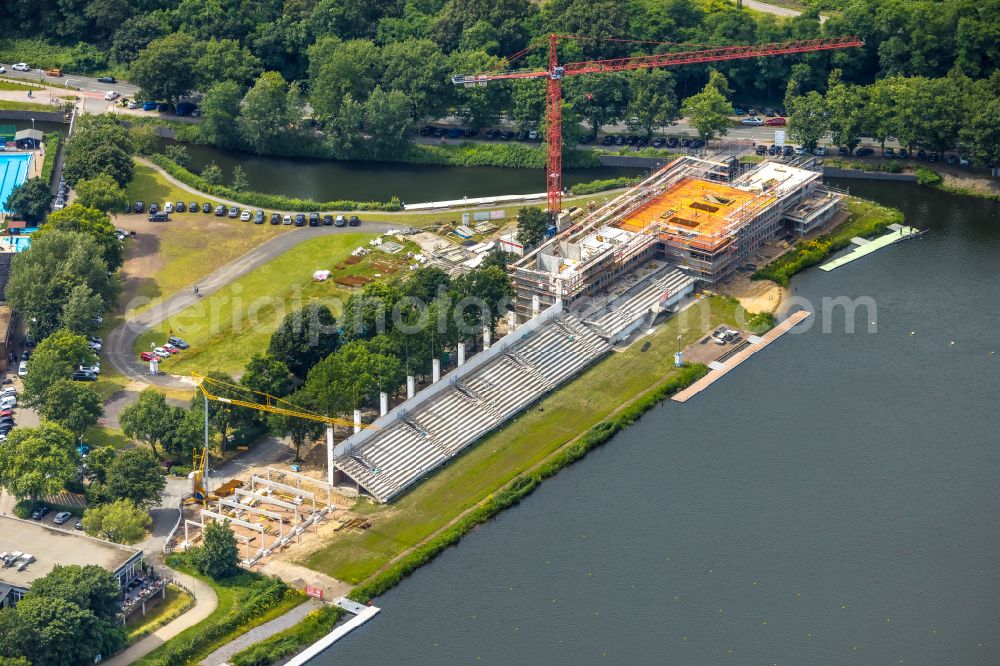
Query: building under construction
{"type": "Point", "coordinates": [698, 215]}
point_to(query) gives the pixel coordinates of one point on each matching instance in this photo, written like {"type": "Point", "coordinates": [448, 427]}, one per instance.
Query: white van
{"type": "Point", "coordinates": [22, 369]}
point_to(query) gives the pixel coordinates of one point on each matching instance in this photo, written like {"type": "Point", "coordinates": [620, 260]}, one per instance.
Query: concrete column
{"type": "Point", "coordinates": [411, 386]}
{"type": "Point", "coordinates": [357, 421]}
{"type": "Point", "coordinates": [435, 370]}
{"type": "Point", "coordinates": [536, 306]}
{"type": "Point", "coordinates": [512, 320]}
{"type": "Point", "coordinates": [487, 338]}
{"type": "Point", "coordinates": [329, 455]}
{"type": "Point", "coordinates": [383, 403]}
{"type": "Point", "coordinates": [461, 353]}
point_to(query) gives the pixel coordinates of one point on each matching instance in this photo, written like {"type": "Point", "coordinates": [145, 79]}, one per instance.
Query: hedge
{"type": "Point", "coordinates": [508, 155]}
{"type": "Point", "coordinates": [53, 142]}
{"type": "Point", "coordinates": [928, 177]}
{"type": "Point", "coordinates": [523, 484]}
{"type": "Point", "coordinates": [263, 199]}
{"type": "Point", "coordinates": [292, 640]}
{"type": "Point", "coordinates": [594, 186]}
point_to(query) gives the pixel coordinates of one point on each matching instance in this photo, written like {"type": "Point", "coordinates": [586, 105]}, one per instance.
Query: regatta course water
{"type": "Point", "coordinates": [832, 501]}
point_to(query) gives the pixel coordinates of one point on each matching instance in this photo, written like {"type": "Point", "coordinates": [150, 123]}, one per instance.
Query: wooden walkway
{"type": "Point", "coordinates": [716, 373]}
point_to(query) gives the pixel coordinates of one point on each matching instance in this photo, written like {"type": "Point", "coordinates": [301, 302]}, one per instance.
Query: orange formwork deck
{"type": "Point", "coordinates": [693, 212]}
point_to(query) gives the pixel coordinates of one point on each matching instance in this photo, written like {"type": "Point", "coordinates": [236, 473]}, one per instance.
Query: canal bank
{"type": "Point", "coordinates": [741, 529]}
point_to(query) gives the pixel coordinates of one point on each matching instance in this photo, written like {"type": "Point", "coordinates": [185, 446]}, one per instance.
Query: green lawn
{"type": "Point", "coordinates": [228, 327]}
{"type": "Point", "coordinates": [7, 84]}
{"type": "Point", "coordinates": [11, 105]}
{"type": "Point", "coordinates": [176, 602]}
{"type": "Point", "coordinates": [150, 186]}
{"type": "Point", "coordinates": [96, 437]}
{"type": "Point", "coordinates": [485, 467]}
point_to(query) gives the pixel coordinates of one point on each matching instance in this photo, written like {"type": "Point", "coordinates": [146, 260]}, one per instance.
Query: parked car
{"type": "Point", "coordinates": [903, 154]}
{"type": "Point", "coordinates": [607, 140]}
{"type": "Point", "coordinates": [107, 79]}
{"type": "Point", "coordinates": [78, 525]}
{"type": "Point", "coordinates": [328, 220]}
{"type": "Point", "coordinates": [354, 221]}
{"type": "Point", "coordinates": [800, 150]}
{"type": "Point", "coordinates": [286, 219]}
{"type": "Point", "coordinates": [963, 160]}
{"type": "Point", "coordinates": [147, 356]}
{"type": "Point", "coordinates": [180, 343]}
{"type": "Point", "coordinates": [697, 143]}
{"type": "Point", "coordinates": [685, 143]}
{"type": "Point", "coordinates": [455, 133]}
{"type": "Point", "coordinates": [159, 217]}
{"type": "Point", "coordinates": [787, 151]}
{"type": "Point", "coordinates": [761, 149]}
{"type": "Point", "coordinates": [148, 106]}
{"type": "Point", "coordinates": [234, 212]}
{"type": "Point", "coordinates": [95, 368]}
{"type": "Point", "coordinates": [206, 207]}
{"type": "Point", "coordinates": [739, 111]}
{"type": "Point", "coordinates": [864, 152]}
{"type": "Point", "coordinates": [776, 122]}
{"type": "Point", "coordinates": [773, 150]}
{"type": "Point", "coordinates": [921, 155]}
{"type": "Point", "coordinates": [39, 512]}
{"type": "Point", "coordinates": [313, 219]}
{"type": "Point", "coordinates": [131, 104]}
{"type": "Point", "coordinates": [300, 220]}
{"type": "Point", "coordinates": [161, 352]}
{"type": "Point", "coordinates": [275, 218]}
{"type": "Point", "coordinates": [84, 376]}
{"type": "Point", "coordinates": [193, 207]}
{"type": "Point", "coordinates": [168, 207]}
{"type": "Point", "coordinates": [62, 517]}
{"type": "Point", "coordinates": [658, 142]}
{"type": "Point", "coordinates": [426, 130]}
{"type": "Point", "coordinates": [162, 107]}
{"type": "Point", "coordinates": [471, 132]}
{"type": "Point", "coordinates": [951, 159]}
{"type": "Point", "coordinates": [843, 152]}
{"type": "Point", "coordinates": [244, 216]}
{"type": "Point", "coordinates": [258, 217]}
{"type": "Point", "coordinates": [932, 157]}
{"type": "Point", "coordinates": [672, 142]}
{"type": "Point", "coordinates": [171, 349]}
{"type": "Point", "coordinates": [341, 221]}
{"type": "Point", "coordinates": [21, 67]}
{"type": "Point", "coordinates": [180, 207]}
{"type": "Point", "coordinates": [889, 154]}
{"type": "Point", "coordinates": [220, 210]}
{"type": "Point", "coordinates": [95, 340]}
{"type": "Point", "coordinates": [753, 121]}
{"type": "Point", "coordinates": [22, 369]}
{"type": "Point", "coordinates": [139, 206]}
{"type": "Point", "coordinates": [112, 95]}
{"type": "Point", "coordinates": [3, 70]}
{"type": "Point", "coordinates": [819, 151]}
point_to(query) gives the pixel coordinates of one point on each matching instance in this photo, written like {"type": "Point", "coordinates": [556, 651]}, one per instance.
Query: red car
{"type": "Point", "coordinates": [170, 348]}
{"type": "Point", "coordinates": [6, 412]}
{"type": "Point", "coordinates": [775, 122]}
{"type": "Point", "coordinates": [147, 356]}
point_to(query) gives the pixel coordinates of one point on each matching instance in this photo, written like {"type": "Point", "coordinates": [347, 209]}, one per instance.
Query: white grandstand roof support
{"type": "Point", "coordinates": [235, 521]}
{"type": "Point", "coordinates": [284, 487]}
{"type": "Point", "coordinates": [187, 539]}
{"type": "Point", "coordinates": [241, 492]}
{"type": "Point", "coordinates": [251, 509]}
{"type": "Point", "coordinates": [308, 479]}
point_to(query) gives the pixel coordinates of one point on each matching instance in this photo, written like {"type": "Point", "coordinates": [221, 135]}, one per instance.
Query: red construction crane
{"type": "Point", "coordinates": [555, 73]}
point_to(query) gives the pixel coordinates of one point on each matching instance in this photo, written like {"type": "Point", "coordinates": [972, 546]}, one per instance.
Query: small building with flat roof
{"type": "Point", "coordinates": [28, 139]}
{"type": "Point", "coordinates": [30, 550]}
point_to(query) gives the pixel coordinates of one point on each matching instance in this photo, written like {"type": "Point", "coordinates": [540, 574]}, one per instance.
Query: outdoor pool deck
{"type": "Point", "coordinates": [14, 169]}
{"type": "Point", "coordinates": [756, 344]}
{"type": "Point", "coordinates": [865, 247]}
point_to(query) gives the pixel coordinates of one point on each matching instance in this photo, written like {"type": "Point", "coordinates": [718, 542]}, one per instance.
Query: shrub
{"type": "Point", "coordinates": [928, 177]}
{"type": "Point", "coordinates": [53, 142]}
{"type": "Point", "coordinates": [594, 186]}
{"type": "Point", "coordinates": [523, 484]}
{"type": "Point", "coordinates": [290, 641]}
{"type": "Point", "coordinates": [264, 200]}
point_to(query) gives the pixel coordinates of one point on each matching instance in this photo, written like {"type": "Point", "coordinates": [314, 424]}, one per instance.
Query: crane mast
{"type": "Point", "coordinates": [555, 73]}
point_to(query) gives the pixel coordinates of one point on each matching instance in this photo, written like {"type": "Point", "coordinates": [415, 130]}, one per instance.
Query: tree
{"type": "Point", "coordinates": [418, 68]}
{"type": "Point", "coordinates": [980, 132]}
{"type": "Point", "coordinates": [135, 475]}
{"type": "Point", "coordinates": [351, 377]}
{"type": "Point", "coordinates": [304, 338]}
{"type": "Point", "coordinates": [218, 557]}
{"type": "Point", "coordinates": [225, 60]}
{"type": "Point", "coordinates": [345, 126]}
{"type": "Point", "coordinates": [807, 119]}
{"type": "Point", "coordinates": [81, 309]}
{"type": "Point", "coordinates": [532, 223]}
{"type": "Point", "coordinates": [600, 99]}
{"type": "Point", "coordinates": [145, 138]}
{"type": "Point", "coordinates": [188, 432]}
{"type": "Point", "coordinates": [298, 430]}
{"type": "Point", "coordinates": [388, 120]}
{"type": "Point", "coordinates": [167, 69]}
{"type": "Point", "coordinates": [708, 111]}
{"type": "Point", "coordinates": [219, 106]}
{"type": "Point", "coordinates": [652, 102]}
{"type": "Point", "coordinates": [90, 587]}
{"type": "Point", "coordinates": [212, 174]}
{"type": "Point", "coordinates": [846, 108]}
{"type": "Point", "coordinates": [266, 374]}
{"type": "Point", "coordinates": [99, 145]}
{"type": "Point", "coordinates": [133, 35]}
{"type": "Point", "coordinates": [93, 222]}
{"type": "Point", "coordinates": [493, 290]}
{"type": "Point", "coordinates": [30, 200]}
{"type": "Point", "coordinates": [101, 193]}
{"type": "Point", "coordinates": [37, 461]}
{"type": "Point", "coordinates": [480, 106]}
{"type": "Point", "coordinates": [54, 359]}
{"type": "Point", "coordinates": [99, 462]}
{"type": "Point", "coordinates": [239, 178]}
{"type": "Point", "coordinates": [72, 405]}
{"type": "Point", "coordinates": [179, 154]}
{"type": "Point", "coordinates": [148, 419]}
{"type": "Point", "coordinates": [60, 633]}
{"type": "Point", "coordinates": [120, 521]}
{"type": "Point", "coordinates": [337, 69]}
{"type": "Point", "coordinates": [264, 116]}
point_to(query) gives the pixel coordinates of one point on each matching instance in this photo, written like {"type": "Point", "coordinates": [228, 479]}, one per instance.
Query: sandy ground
{"type": "Point", "coordinates": [143, 260]}
{"type": "Point", "coordinates": [961, 178]}
{"type": "Point", "coordinates": [755, 295]}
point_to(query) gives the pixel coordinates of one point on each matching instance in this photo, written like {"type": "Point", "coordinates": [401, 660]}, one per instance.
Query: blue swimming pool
{"type": "Point", "coordinates": [13, 172]}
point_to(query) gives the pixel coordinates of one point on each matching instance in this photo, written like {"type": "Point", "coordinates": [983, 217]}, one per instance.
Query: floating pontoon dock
{"type": "Point", "coordinates": [864, 247]}
{"type": "Point", "coordinates": [756, 344]}
{"type": "Point", "coordinates": [362, 614]}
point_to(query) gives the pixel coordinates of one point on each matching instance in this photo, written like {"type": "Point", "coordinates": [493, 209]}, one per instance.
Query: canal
{"type": "Point", "coordinates": [833, 501]}
{"type": "Point", "coordinates": [328, 180]}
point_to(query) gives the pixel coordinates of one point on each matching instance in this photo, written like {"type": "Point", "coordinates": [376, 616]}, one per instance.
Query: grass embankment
{"type": "Point", "coordinates": [228, 327]}
{"type": "Point", "coordinates": [96, 436]}
{"type": "Point", "coordinates": [177, 601]}
{"type": "Point", "coordinates": [246, 600]}
{"type": "Point", "coordinates": [7, 84]}
{"type": "Point", "coordinates": [291, 641]}
{"type": "Point", "coordinates": [594, 186]}
{"type": "Point", "coordinates": [928, 177]}
{"type": "Point", "coordinates": [866, 219]}
{"type": "Point", "coordinates": [12, 105]}
{"type": "Point", "coordinates": [607, 387]}
{"type": "Point", "coordinates": [185, 249]}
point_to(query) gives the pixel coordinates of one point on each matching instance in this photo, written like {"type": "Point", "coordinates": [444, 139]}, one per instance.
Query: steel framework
{"type": "Point", "coordinates": [555, 73]}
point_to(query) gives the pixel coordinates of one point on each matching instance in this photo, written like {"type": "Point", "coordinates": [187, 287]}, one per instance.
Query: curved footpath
{"type": "Point", "coordinates": [119, 347]}
{"type": "Point", "coordinates": [205, 603]}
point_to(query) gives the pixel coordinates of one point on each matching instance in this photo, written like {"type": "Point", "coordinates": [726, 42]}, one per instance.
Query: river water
{"type": "Point", "coordinates": [328, 180]}
{"type": "Point", "coordinates": [833, 501]}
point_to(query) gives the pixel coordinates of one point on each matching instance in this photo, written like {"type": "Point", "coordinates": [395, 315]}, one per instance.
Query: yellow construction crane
{"type": "Point", "coordinates": [272, 405]}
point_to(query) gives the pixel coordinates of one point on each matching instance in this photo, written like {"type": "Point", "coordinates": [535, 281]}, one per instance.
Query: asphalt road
{"type": "Point", "coordinates": [83, 83]}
